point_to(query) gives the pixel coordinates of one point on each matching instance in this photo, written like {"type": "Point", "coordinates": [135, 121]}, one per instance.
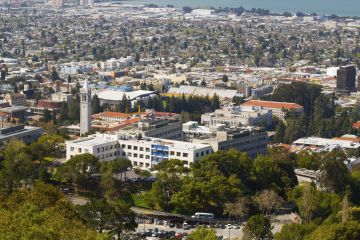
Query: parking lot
{"type": "Point", "coordinates": [163, 230]}
{"type": "Point", "coordinates": [223, 231]}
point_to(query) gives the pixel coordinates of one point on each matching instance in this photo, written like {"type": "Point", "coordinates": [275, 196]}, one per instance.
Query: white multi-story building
{"type": "Point", "coordinates": [237, 116]}
{"type": "Point", "coordinates": [142, 152]}
{"type": "Point", "coordinates": [252, 140]}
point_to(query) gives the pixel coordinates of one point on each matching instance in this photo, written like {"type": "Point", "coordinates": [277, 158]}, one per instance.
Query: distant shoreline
{"type": "Point", "coordinates": [272, 12]}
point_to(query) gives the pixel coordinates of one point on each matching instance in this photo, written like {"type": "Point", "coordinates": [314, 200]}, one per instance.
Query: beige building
{"type": "Point", "coordinates": [15, 99]}
{"type": "Point", "coordinates": [237, 116]}
{"type": "Point", "coordinates": [279, 109]}
{"type": "Point", "coordinates": [58, 3]}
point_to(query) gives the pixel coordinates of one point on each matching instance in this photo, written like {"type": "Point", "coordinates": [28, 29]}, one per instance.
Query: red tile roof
{"type": "Point", "coordinates": [354, 139]}
{"type": "Point", "coordinates": [115, 114]}
{"type": "Point", "coordinates": [356, 125]}
{"type": "Point", "coordinates": [271, 104]}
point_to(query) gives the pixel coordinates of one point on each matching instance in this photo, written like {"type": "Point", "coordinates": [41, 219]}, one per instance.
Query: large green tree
{"type": "Point", "coordinates": [42, 212]}
{"type": "Point", "coordinates": [95, 105]}
{"type": "Point", "coordinates": [80, 170]}
{"type": "Point", "coordinates": [258, 227]}
{"type": "Point", "coordinates": [16, 166]}
{"type": "Point", "coordinates": [203, 233]}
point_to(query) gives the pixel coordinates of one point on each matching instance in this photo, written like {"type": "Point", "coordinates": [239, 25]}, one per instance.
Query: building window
{"type": "Point", "coordinates": [129, 154]}
{"type": "Point", "coordinates": [135, 163]}
{"type": "Point", "coordinates": [172, 153]}
{"type": "Point", "coordinates": [147, 165]}
{"type": "Point", "coordinates": [123, 146]}
{"type": "Point", "coordinates": [147, 156]}
{"type": "Point", "coordinates": [129, 147]}
{"type": "Point", "coordinates": [141, 149]}
{"type": "Point", "coordinates": [135, 147]}
{"type": "Point", "coordinates": [197, 155]}
{"type": "Point", "coordinates": [185, 155]}
{"type": "Point", "coordinates": [72, 149]}
{"type": "Point", "coordinates": [135, 155]}
{"type": "Point", "coordinates": [147, 149]}
{"type": "Point", "coordinates": [79, 150]}
{"type": "Point", "coordinates": [178, 154]}
{"type": "Point", "coordinates": [141, 155]}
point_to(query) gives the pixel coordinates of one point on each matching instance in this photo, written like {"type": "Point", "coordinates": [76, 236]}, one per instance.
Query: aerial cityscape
{"type": "Point", "coordinates": [193, 120]}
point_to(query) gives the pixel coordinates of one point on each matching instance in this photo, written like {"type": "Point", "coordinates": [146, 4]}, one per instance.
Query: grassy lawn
{"type": "Point", "coordinates": [139, 201]}
{"type": "Point", "coordinates": [49, 159]}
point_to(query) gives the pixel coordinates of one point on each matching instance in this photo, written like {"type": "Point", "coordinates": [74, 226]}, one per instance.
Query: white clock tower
{"type": "Point", "coordinates": [85, 108]}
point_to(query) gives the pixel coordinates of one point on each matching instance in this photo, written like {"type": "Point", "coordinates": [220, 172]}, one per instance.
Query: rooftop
{"type": "Point", "coordinates": [328, 143]}
{"type": "Point", "coordinates": [97, 139]}
{"type": "Point", "coordinates": [118, 95]}
{"type": "Point", "coordinates": [272, 104]}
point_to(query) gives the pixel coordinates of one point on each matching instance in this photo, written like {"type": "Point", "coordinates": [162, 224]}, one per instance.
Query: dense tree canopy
{"type": "Point", "coordinates": [42, 213]}
{"type": "Point", "coordinates": [219, 178]}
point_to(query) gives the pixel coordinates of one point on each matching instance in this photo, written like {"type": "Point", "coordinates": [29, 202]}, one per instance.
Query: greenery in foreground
{"type": "Point", "coordinates": [41, 212]}
{"type": "Point", "coordinates": [227, 183]}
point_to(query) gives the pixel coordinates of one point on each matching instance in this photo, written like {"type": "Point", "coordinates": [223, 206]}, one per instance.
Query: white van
{"type": "Point", "coordinates": [199, 215]}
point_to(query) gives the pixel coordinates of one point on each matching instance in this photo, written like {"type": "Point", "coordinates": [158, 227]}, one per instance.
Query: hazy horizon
{"type": "Point", "coordinates": [341, 8]}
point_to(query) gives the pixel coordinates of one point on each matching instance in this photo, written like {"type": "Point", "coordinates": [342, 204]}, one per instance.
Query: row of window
{"type": "Point", "coordinates": [202, 153]}
{"type": "Point", "coordinates": [123, 146]}
{"type": "Point", "coordinates": [140, 164]}
{"type": "Point", "coordinates": [167, 133]}
{"type": "Point", "coordinates": [178, 154]}
{"type": "Point", "coordinates": [147, 165]}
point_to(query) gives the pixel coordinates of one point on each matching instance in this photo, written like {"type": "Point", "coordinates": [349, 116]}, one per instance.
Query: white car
{"type": "Point", "coordinates": [229, 226]}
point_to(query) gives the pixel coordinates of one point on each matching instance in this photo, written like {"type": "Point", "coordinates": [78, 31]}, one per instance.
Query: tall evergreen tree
{"type": "Point", "coordinates": [96, 107]}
